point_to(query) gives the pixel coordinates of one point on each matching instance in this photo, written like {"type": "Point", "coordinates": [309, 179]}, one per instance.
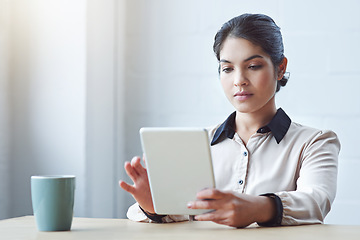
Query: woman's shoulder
{"type": "Point", "coordinates": [304, 129]}
{"type": "Point", "coordinates": [309, 134]}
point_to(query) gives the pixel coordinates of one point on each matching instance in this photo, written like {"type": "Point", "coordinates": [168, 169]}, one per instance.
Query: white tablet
{"type": "Point", "coordinates": [179, 164]}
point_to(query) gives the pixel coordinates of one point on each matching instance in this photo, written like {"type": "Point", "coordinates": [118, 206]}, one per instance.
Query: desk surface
{"type": "Point", "coordinates": [94, 228]}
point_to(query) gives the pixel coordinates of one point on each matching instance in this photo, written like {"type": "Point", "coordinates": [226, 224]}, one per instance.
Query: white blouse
{"type": "Point", "coordinates": [296, 163]}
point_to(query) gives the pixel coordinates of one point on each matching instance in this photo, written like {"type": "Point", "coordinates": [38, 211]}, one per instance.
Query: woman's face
{"type": "Point", "coordinates": [247, 75]}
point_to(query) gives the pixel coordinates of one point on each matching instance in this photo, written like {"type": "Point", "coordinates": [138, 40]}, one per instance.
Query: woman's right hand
{"type": "Point", "coordinates": [140, 190]}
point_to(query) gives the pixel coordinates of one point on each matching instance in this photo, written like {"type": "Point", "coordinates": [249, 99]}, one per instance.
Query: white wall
{"type": "Point", "coordinates": [172, 78]}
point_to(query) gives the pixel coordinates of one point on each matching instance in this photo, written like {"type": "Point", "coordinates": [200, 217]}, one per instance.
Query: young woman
{"type": "Point", "coordinates": [267, 168]}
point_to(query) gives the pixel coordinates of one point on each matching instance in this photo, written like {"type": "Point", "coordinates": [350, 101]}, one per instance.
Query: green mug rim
{"type": "Point", "coordinates": [52, 176]}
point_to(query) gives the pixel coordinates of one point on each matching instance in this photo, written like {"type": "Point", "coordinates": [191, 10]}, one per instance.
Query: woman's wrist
{"type": "Point", "coordinates": [267, 209]}
{"type": "Point", "coordinates": [273, 211]}
{"type": "Point", "coordinates": [153, 216]}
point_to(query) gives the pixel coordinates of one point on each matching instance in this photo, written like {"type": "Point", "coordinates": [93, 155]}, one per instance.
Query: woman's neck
{"type": "Point", "coordinates": [248, 123]}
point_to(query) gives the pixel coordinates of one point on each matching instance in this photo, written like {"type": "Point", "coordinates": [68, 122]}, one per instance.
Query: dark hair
{"type": "Point", "coordinates": [259, 29]}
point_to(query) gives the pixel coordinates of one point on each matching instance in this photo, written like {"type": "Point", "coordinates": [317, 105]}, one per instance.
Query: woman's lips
{"type": "Point", "coordinates": [242, 96]}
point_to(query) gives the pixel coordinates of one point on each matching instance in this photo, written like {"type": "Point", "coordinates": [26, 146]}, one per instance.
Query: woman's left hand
{"type": "Point", "coordinates": [235, 210]}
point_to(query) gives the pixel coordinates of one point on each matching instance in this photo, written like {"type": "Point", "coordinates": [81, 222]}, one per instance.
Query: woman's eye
{"type": "Point", "coordinates": [227, 69]}
{"type": "Point", "coordinates": [255, 67]}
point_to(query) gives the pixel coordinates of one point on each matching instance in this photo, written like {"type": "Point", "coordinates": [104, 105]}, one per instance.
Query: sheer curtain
{"type": "Point", "coordinates": [4, 113]}
{"type": "Point", "coordinates": [61, 107]}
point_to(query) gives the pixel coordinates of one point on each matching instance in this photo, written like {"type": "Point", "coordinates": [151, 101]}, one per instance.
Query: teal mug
{"type": "Point", "coordinates": [53, 201]}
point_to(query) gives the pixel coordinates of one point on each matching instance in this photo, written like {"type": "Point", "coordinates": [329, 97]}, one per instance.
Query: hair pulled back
{"type": "Point", "coordinates": [259, 29]}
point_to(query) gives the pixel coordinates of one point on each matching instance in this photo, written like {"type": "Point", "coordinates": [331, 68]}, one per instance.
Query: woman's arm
{"type": "Point", "coordinates": [235, 210]}
{"type": "Point", "coordinates": [316, 185]}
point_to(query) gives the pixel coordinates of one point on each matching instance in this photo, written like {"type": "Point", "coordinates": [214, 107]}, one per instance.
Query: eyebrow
{"type": "Point", "coordinates": [248, 59]}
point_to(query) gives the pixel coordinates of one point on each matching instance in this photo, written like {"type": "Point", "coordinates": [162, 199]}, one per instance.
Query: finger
{"type": "Point", "coordinates": [135, 160]}
{"type": "Point", "coordinates": [210, 193]}
{"type": "Point", "coordinates": [214, 216]}
{"type": "Point", "coordinates": [144, 160]}
{"type": "Point", "coordinates": [202, 204]}
{"type": "Point", "coordinates": [130, 189]}
{"type": "Point", "coordinates": [131, 172]}
{"type": "Point", "coordinates": [205, 217]}
{"type": "Point", "coordinates": [138, 167]}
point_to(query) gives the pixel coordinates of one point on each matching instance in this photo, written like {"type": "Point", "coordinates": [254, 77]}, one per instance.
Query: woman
{"type": "Point", "coordinates": [267, 168]}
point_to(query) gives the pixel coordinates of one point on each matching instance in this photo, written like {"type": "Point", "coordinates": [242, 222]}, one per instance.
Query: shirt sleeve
{"type": "Point", "coordinates": [135, 213]}
{"type": "Point", "coordinates": [316, 184]}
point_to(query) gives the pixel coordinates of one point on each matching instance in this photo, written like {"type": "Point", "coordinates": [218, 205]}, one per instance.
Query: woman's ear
{"type": "Point", "coordinates": [282, 68]}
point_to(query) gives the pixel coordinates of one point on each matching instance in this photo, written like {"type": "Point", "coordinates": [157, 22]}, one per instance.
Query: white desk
{"type": "Point", "coordinates": [24, 228]}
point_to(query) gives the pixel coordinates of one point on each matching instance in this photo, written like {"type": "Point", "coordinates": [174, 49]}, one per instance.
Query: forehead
{"type": "Point", "coordinates": [235, 48]}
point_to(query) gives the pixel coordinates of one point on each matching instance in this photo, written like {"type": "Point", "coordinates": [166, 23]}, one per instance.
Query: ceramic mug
{"type": "Point", "coordinates": [53, 201]}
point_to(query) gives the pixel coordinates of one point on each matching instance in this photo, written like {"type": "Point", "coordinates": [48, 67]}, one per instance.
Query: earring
{"type": "Point", "coordinates": [286, 75]}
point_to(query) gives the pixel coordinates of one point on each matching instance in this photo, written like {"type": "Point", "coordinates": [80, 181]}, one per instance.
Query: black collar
{"type": "Point", "coordinates": [279, 126]}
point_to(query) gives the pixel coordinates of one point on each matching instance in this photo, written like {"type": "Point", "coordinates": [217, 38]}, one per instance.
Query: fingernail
{"type": "Point", "coordinates": [190, 204]}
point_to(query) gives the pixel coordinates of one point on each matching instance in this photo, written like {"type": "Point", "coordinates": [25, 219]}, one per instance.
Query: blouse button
{"type": "Point", "coordinates": [245, 154]}
{"type": "Point", "coordinates": [241, 182]}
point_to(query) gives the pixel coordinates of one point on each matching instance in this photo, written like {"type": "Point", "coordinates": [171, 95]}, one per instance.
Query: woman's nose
{"type": "Point", "coordinates": [240, 80]}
